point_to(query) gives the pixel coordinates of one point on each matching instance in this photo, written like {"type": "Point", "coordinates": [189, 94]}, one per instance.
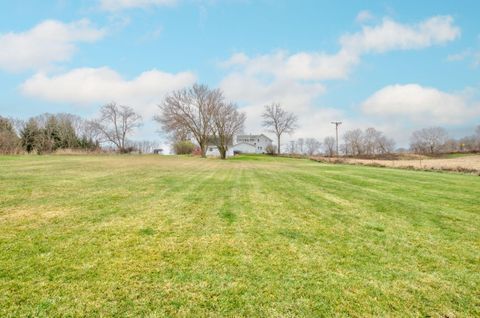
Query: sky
{"type": "Point", "coordinates": [394, 65]}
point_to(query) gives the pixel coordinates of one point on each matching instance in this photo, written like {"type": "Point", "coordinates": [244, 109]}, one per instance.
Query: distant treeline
{"type": "Point", "coordinates": [435, 140]}
{"type": "Point", "coordinates": [371, 142]}
{"type": "Point", "coordinates": [46, 133]}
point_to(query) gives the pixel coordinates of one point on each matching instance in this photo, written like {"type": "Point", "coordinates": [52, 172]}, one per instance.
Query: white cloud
{"type": "Point", "coordinates": [299, 66]}
{"type": "Point", "coordinates": [387, 36]}
{"type": "Point", "coordinates": [364, 16]}
{"type": "Point", "coordinates": [101, 85]}
{"type": "Point", "coordinates": [253, 93]}
{"type": "Point", "coordinates": [476, 59]}
{"type": "Point", "coordinates": [459, 56]}
{"type": "Point", "coordinates": [250, 90]}
{"type": "Point", "coordinates": [391, 35]}
{"type": "Point", "coordinates": [469, 54]}
{"type": "Point", "coordinates": [420, 104]}
{"type": "Point", "coordinates": [297, 80]}
{"type": "Point", "coordinates": [116, 5]}
{"type": "Point", "coordinates": [47, 43]}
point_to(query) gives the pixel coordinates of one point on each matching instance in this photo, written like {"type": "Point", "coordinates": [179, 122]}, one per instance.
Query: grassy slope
{"type": "Point", "coordinates": [162, 236]}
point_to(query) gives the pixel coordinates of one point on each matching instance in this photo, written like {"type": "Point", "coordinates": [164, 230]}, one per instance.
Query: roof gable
{"type": "Point", "coordinates": [253, 136]}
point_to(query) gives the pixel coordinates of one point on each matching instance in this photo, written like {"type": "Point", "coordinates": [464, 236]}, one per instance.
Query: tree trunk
{"type": "Point", "coordinates": [278, 144]}
{"type": "Point", "coordinates": [203, 151]}
{"type": "Point", "coordinates": [223, 153]}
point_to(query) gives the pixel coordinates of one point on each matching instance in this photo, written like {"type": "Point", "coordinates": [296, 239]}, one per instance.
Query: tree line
{"type": "Point", "coordinates": [356, 142]}
{"type": "Point", "coordinates": [196, 117]}
{"type": "Point", "coordinates": [46, 133]}
{"type": "Point", "coordinates": [435, 140]}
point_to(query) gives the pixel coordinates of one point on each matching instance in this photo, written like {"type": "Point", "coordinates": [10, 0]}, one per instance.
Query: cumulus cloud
{"type": "Point", "coordinates": [254, 93]}
{"type": "Point", "coordinates": [297, 80]}
{"type": "Point", "coordinates": [298, 66]}
{"type": "Point", "coordinates": [85, 86]}
{"type": "Point", "coordinates": [47, 43]}
{"type": "Point", "coordinates": [116, 5]}
{"type": "Point", "coordinates": [420, 104]}
{"type": "Point", "coordinates": [391, 35]}
{"type": "Point", "coordinates": [387, 36]}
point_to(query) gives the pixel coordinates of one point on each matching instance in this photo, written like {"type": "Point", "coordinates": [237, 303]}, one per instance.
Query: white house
{"type": "Point", "coordinates": [248, 144]}
{"type": "Point", "coordinates": [251, 143]}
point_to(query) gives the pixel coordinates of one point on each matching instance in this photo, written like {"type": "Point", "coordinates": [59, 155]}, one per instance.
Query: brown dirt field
{"type": "Point", "coordinates": [462, 164]}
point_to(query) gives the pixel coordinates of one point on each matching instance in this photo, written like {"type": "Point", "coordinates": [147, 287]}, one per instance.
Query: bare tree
{"type": "Point", "coordinates": [468, 143]}
{"type": "Point", "coordinates": [370, 140]}
{"type": "Point", "coordinates": [313, 146]}
{"type": "Point", "coordinates": [292, 147]}
{"type": "Point", "coordinates": [301, 145]}
{"type": "Point", "coordinates": [190, 110]}
{"type": "Point", "coordinates": [115, 123]}
{"type": "Point", "coordinates": [477, 138]}
{"type": "Point", "coordinates": [329, 145]}
{"type": "Point", "coordinates": [278, 121]}
{"type": "Point", "coordinates": [227, 122]}
{"type": "Point", "coordinates": [385, 145]}
{"type": "Point", "coordinates": [353, 142]}
{"type": "Point", "coordinates": [375, 142]}
{"type": "Point", "coordinates": [428, 140]}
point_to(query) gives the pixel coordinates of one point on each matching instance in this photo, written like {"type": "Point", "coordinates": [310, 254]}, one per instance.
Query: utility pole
{"type": "Point", "coordinates": [336, 123]}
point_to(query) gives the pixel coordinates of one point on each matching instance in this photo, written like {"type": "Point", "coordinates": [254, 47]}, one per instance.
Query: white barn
{"type": "Point", "coordinates": [248, 144]}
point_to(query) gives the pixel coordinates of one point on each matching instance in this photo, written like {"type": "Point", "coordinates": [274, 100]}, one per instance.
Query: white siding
{"type": "Point", "coordinates": [244, 148]}
{"type": "Point", "coordinates": [249, 144]}
{"type": "Point", "coordinates": [212, 151]}
{"type": "Point", "coordinates": [257, 143]}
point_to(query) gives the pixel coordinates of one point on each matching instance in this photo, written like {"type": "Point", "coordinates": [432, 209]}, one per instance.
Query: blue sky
{"type": "Point", "coordinates": [394, 65]}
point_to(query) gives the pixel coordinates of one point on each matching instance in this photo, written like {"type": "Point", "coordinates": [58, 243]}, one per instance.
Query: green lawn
{"type": "Point", "coordinates": [253, 236]}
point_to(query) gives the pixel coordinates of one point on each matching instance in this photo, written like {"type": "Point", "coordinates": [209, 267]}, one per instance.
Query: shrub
{"type": "Point", "coordinates": [184, 147]}
{"type": "Point", "coordinates": [271, 150]}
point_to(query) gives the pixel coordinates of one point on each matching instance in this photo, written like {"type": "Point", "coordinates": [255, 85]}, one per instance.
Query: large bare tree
{"type": "Point", "coordinates": [191, 109]}
{"type": "Point", "coordinates": [227, 122]}
{"type": "Point", "coordinates": [278, 121]}
{"type": "Point", "coordinates": [115, 123]}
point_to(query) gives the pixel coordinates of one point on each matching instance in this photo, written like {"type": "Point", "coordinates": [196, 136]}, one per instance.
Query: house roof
{"type": "Point", "coordinates": [253, 136]}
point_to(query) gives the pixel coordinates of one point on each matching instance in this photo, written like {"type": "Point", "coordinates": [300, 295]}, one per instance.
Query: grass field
{"type": "Point", "coordinates": [252, 236]}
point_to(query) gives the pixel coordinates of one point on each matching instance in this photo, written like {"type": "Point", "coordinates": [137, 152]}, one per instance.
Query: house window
{"type": "Point", "coordinates": [211, 149]}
